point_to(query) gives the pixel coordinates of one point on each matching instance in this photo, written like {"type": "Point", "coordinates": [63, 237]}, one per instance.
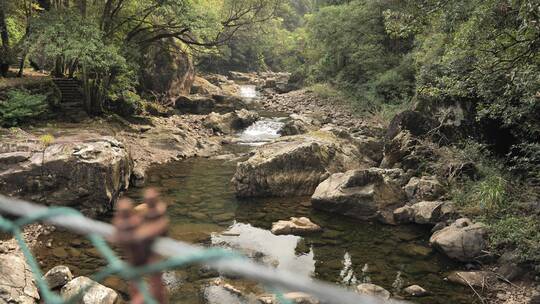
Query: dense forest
{"type": "Point", "coordinates": [384, 55]}
{"type": "Point", "coordinates": [462, 75]}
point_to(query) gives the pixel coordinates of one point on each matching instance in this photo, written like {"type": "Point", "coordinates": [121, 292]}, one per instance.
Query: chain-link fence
{"type": "Point", "coordinates": [173, 255]}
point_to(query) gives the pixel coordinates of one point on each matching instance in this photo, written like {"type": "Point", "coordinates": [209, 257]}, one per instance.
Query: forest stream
{"type": "Point", "coordinates": [203, 209]}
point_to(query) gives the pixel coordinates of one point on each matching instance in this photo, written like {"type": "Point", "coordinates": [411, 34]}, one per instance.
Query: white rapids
{"type": "Point", "coordinates": [261, 132]}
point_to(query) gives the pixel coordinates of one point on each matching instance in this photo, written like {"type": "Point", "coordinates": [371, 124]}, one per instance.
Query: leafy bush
{"type": "Point", "coordinates": [20, 106]}
{"type": "Point", "coordinates": [500, 202]}
{"type": "Point", "coordinates": [127, 104]}
{"type": "Point", "coordinates": [327, 91]}
{"type": "Point", "coordinates": [156, 109]}
{"type": "Point", "coordinates": [524, 160]}
{"type": "Point", "coordinates": [518, 233]}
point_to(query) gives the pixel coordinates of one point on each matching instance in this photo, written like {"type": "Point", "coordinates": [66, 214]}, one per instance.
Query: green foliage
{"type": "Point", "coordinates": [490, 193]}
{"type": "Point", "coordinates": [272, 44]}
{"type": "Point", "coordinates": [126, 104]}
{"type": "Point", "coordinates": [500, 202]}
{"type": "Point", "coordinates": [519, 233]}
{"type": "Point", "coordinates": [327, 91]}
{"type": "Point", "coordinates": [347, 44]}
{"type": "Point", "coordinates": [524, 160]}
{"type": "Point", "coordinates": [487, 51]}
{"type": "Point", "coordinates": [20, 106]}
{"type": "Point", "coordinates": [66, 35]}
{"type": "Point", "coordinates": [46, 140]}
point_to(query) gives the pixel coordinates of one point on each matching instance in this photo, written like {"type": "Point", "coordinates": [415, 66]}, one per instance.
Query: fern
{"type": "Point", "coordinates": [21, 106]}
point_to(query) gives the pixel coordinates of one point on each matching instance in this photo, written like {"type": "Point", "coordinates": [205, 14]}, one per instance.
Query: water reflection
{"type": "Point", "coordinates": [278, 251]}
{"type": "Point", "coordinates": [347, 275]}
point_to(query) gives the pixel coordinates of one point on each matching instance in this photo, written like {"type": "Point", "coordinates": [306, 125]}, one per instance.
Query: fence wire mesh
{"type": "Point", "coordinates": [175, 255]}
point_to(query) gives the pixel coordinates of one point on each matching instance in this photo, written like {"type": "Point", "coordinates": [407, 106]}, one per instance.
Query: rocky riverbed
{"type": "Point", "coordinates": [350, 184]}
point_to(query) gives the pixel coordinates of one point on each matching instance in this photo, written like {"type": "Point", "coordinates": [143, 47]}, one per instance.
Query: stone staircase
{"type": "Point", "coordinates": [72, 103]}
{"type": "Point", "coordinates": [71, 90]}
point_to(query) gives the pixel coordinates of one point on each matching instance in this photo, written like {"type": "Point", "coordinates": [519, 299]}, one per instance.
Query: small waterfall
{"type": "Point", "coordinates": [248, 91]}
{"type": "Point", "coordinates": [261, 132]}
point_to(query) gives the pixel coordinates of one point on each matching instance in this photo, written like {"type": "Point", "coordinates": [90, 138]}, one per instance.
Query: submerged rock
{"type": "Point", "coordinates": [373, 290]}
{"type": "Point", "coordinates": [88, 175]}
{"type": "Point", "coordinates": [96, 294]}
{"type": "Point", "coordinates": [415, 291]}
{"type": "Point", "coordinates": [296, 165]}
{"type": "Point", "coordinates": [17, 284]}
{"type": "Point", "coordinates": [294, 297]}
{"type": "Point", "coordinates": [463, 240]}
{"type": "Point", "coordinates": [358, 193]}
{"type": "Point", "coordinates": [295, 225]}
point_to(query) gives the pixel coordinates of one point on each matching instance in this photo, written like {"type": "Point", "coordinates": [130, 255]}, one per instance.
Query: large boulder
{"type": "Point", "coordinates": [362, 194]}
{"type": "Point", "coordinates": [425, 212]}
{"type": "Point", "coordinates": [205, 104]}
{"type": "Point", "coordinates": [95, 294]}
{"type": "Point", "coordinates": [87, 175]}
{"type": "Point", "coordinates": [230, 122]}
{"type": "Point", "coordinates": [228, 103]}
{"type": "Point", "coordinates": [58, 276]}
{"type": "Point", "coordinates": [166, 69]}
{"type": "Point", "coordinates": [204, 87]}
{"type": "Point", "coordinates": [463, 240]}
{"type": "Point", "coordinates": [425, 188]}
{"type": "Point", "coordinates": [195, 104]}
{"type": "Point", "coordinates": [216, 79]}
{"type": "Point", "coordinates": [455, 119]}
{"type": "Point", "coordinates": [299, 124]}
{"type": "Point", "coordinates": [243, 77]}
{"type": "Point", "coordinates": [17, 284]}
{"type": "Point", "coordinates": [295, 165]}
{"type": "Point", "coordinates": [414, 122]}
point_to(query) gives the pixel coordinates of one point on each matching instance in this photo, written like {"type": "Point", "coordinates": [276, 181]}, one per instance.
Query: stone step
{"type": "Point", "coordinates": [71, 91]}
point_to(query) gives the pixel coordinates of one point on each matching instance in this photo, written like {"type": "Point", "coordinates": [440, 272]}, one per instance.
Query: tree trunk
{"type": "Point", "coordinates": [82, 8]}
{"type": "Point", "coordinates": [58, 67]}
{"type": "Point", "coordinates": [105, 18]}
{"type": "Point", "coordinates": [87, 88]}
{"type": "Point", "coordinates": [45, 4]}
{"type": "Point", "coordinates": [21, 64]}
{"type": "Point", "coordinates": [4, 35]}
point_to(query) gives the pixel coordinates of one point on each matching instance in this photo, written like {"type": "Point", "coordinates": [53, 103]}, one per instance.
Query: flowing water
{"type": "Point", "coordinates": [248, 91]}
{"type": "Point", "coordinates": [261, 132]}
{"type": "Point", "coordinates": [203, 209]}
